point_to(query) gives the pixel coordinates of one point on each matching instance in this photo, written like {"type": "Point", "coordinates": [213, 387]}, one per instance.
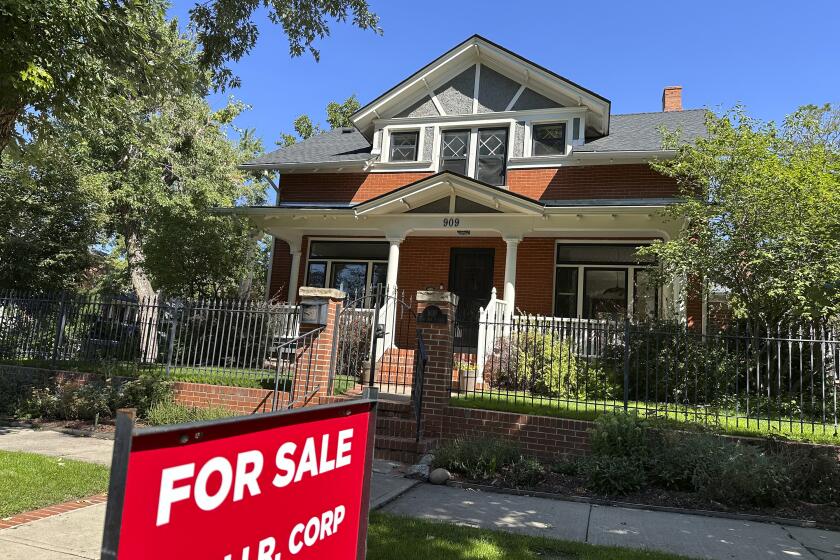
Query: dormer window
{"type": "Point", "coordinates": [549, 139]}
{"type": "Point", "coordinates": [404, 146]}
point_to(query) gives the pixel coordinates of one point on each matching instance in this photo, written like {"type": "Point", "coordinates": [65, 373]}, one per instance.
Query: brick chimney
{"type": "Point", "coordinates": [672, 98]}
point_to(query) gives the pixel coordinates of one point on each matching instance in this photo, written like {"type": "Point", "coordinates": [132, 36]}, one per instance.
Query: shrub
{"type": "Point", "coordinates": [169, 412]}
{"type": "Point", "coordinates": [614, 475]}
{"type": "Point", "coordinates": [568, 467]}
{"type": "Point", "coordinates": [538, 362]}
{"type": "Point", "coordinates": [477, 459]}
{"type": "Point", "coordinates": [675, 459]}
{"type": "Point", "coordinates": [619, 435]}
{"type": "Point", "coordinates": [744, 475]}
{"type": "Point", "coordinates": [524, 472]}
{"type": "Point", "coordinates": [814, 472]}
{"type": "Point", "coordinates": [92, 397]}
{"type": "Point", "coordinates": [142, 393]}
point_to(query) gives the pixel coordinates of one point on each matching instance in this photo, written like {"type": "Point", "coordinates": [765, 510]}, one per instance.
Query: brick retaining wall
{"type": "Point", "coordinates": [235, 399]}
{"type": "Point", "coordinates": [543, 436]}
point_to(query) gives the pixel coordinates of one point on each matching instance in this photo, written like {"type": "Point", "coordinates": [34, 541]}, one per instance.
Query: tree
{"type": "Point", "coordinates": [61, 57]}
{"type": "Point", "coordinates": [338, 116]}
{"type": "Point", "coordinates": [226, 30]}
{"type": "Point", "coordinates": [52, 208]}
{"type": "Point", "coordinates": [761, 212]}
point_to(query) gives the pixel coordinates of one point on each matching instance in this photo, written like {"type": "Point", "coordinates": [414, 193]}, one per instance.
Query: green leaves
{"type": "Point", "coordinates": [226, 30]}
{"type": "Point", "coordinates": [760, 212]}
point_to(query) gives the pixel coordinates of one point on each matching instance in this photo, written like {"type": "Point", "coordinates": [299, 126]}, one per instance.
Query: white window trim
{"type": "Point", "coordinates": [631, 274]}
{"type": "Point", "coordinates": [386, 143]}
{"type": "Point", "coordinates": [472, 156]}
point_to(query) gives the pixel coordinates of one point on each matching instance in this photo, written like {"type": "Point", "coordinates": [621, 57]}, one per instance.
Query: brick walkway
{"type": "Point", "coordinates": [49, 511]}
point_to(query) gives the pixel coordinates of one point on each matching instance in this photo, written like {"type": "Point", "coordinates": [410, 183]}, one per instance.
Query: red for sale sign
{"type": "Point", "coordinates": [264, 487]}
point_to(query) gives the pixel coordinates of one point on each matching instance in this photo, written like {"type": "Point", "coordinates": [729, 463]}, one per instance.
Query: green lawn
{"type": "Point", "coordinates": [680, 417]}
{"type": "Point", "coordinates": [29, 481]}
{"type": "Point", "coordinates": [401, 538]}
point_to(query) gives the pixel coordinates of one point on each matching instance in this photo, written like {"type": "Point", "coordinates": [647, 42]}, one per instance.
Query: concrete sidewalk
{"type": "Point", "coordinates": [694, 536]}
{"type": "Point", "coordinates": [56, 444]}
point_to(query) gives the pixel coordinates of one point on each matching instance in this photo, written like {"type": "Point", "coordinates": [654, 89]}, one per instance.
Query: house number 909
{"type": "Point", "coordinates": [451, 222]}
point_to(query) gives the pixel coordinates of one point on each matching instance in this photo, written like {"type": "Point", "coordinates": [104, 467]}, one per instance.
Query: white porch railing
{"type": "Point", "coordinates": [493, 323]}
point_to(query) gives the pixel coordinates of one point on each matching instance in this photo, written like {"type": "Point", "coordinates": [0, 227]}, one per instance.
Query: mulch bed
{"type": "Point", "coordinates": [826, 515]}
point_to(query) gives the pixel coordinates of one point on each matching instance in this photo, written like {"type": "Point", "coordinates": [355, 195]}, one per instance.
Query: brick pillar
{"type": "Point", "coordinates": [435, 321]}
{"type": "Point", "coordinates": [319, 307]}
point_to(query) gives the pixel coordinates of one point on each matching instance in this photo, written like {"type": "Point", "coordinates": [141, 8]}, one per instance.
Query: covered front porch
{"type": "Point", "coordinates": [566, 258]}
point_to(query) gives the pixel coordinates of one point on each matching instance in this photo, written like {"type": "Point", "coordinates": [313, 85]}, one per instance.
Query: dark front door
{"type": "Point", "coordinates": [471, 279]}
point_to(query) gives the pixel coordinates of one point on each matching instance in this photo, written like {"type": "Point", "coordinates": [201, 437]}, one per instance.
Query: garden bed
{"type": "Point", "coordinates": [640, 462]}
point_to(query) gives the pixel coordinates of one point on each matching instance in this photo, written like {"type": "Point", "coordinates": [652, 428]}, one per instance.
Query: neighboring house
{"type": "Point", "coordinates": [480, 170]}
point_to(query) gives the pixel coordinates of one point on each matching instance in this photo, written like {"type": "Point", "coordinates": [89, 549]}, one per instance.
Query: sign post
{"type": "Point", "coordinates": [292, 484]}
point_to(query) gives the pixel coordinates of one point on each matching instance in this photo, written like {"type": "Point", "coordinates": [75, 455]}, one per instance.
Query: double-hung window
{"type": "Point", "coordinates": [351, 266]}
{"type": "Point", "coordinates": [491, 155]}
{"type": "Point", "coordinates": [454, 150]}
{"type": "Point", "coordinates": [404, 146]}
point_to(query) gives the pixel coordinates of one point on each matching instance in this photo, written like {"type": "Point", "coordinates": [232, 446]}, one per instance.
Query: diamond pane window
{"type": "Point", "coordinates": [404, 146]}
{"type": "Point", "coordinates": [549, 139]}
{"type": "Point", "coordinates": [490, 160]}
{"type": "Point", "coordinates": [454, 149]}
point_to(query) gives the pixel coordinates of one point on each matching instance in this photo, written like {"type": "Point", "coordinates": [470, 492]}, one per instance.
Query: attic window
{"type": "Point", "coordinates": [549, 139]}
{"type": "Point", "coordinates": [404, 146]}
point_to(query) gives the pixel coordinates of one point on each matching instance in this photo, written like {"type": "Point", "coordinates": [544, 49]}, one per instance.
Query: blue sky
{"type": "Point", "coordinates": [770, 55]}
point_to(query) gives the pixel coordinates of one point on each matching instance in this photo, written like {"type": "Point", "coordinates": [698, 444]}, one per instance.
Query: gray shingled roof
{"type": "Point", "coordinates": [641, 131]}
{"type": "Point", "coordinates": [631, 132]}
{"type": "Point", "coordinates": [341, 144]}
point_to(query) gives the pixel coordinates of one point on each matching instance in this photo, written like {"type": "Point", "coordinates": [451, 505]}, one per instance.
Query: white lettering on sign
{"type": "Point", "coordinates": [316, 529]}
{"type": "Point", "coordinates": [332, 452]}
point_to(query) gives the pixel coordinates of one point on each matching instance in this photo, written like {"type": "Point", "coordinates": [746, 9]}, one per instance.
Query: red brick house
{"type": "Point", "coordinates": [481, 170]}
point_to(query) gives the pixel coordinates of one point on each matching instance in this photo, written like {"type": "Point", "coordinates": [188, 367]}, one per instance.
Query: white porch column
{"type": "Point", "coordinates": [393, 262]}
{"type": "Point", "coordinates": [510, 271]}
{"type": "Point", "coordinates": [294, 272]}
{"type": "Point", "coordinates": [389, 310]}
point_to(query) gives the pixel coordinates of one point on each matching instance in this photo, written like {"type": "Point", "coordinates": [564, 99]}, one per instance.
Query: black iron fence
{"type": "Point", "coordinates": [770, 378]}
{"type": "Point", "coordinates": [376, 342]}
{"type": "Point", "coordinates": [232, 342]}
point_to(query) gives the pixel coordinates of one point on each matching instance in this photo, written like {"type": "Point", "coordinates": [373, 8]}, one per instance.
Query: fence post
{"type": "Point", "coordinates": [171, 344]}
{"type": "Point", "coordinates": [59, 328]}
{"type": "Point", "coordinates": [436, 322]}
{"type": "Point", "coordinates": [314, 363]}
{"type": "Point", "coordinates": [626, 362]}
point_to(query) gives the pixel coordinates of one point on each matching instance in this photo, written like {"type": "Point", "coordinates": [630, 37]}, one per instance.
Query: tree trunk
{"type": "Point", "coordinates": [8, 118]}
{"type": "Point", "coordinates": [148, 299]}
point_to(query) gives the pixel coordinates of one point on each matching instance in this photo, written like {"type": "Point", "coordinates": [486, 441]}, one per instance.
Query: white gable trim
{"type": "Point", "coordinates": [478, 51]}
{"type": "Point", "coordinates": [443, 185]}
